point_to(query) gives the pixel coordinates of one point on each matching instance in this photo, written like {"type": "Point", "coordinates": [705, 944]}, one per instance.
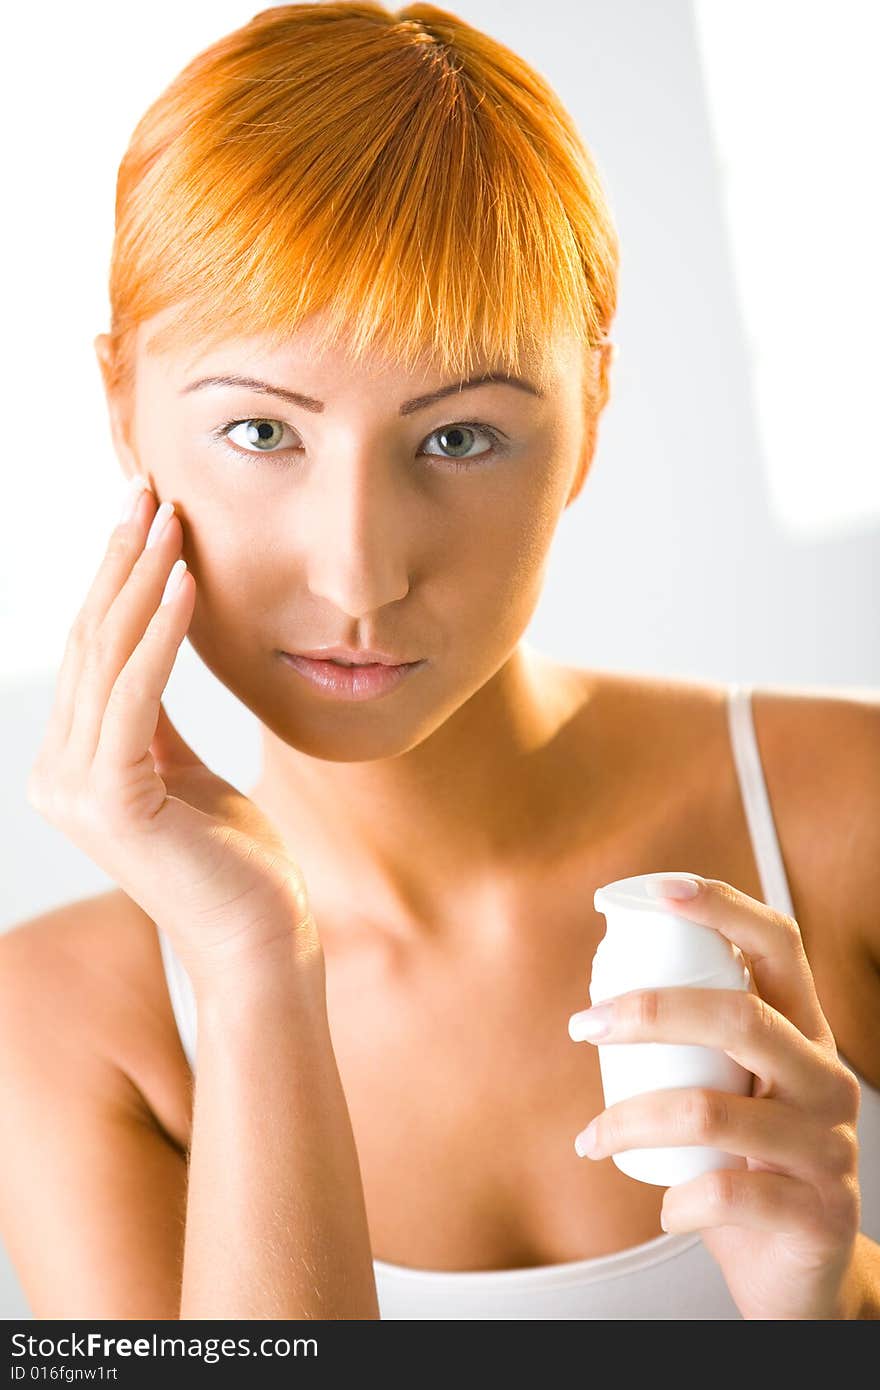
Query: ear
{"type": "Point", "coordinates": [118, 408]}
{"type": "Point", "coordinates": [588, 449]}
{"type": "Point", "coordinates": [608, 355]}
{"type": "Point", "coordinates": [596, 402]}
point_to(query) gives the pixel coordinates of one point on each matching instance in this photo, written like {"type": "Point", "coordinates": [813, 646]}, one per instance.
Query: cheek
{"type": "Point", "coordinates": [231, 559]}
{"type": "Point", "coordinates": [494, 563]}
{"type": "Point", "coordinates": [516, 530]}
{"type": "Point", "coordinates": [220, 549]}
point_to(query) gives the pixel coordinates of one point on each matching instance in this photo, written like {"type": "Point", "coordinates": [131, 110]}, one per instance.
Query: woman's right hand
{"type": "Point", "coordinates": [118, 779]}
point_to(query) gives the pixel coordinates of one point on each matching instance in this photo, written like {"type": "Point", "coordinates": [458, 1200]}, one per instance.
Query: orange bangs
{"type": "Point", "coordinates": [402, 173]}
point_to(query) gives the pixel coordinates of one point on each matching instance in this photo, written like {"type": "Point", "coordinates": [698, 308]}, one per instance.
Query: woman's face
{"type": "Point", "coordinates": [360, 516]}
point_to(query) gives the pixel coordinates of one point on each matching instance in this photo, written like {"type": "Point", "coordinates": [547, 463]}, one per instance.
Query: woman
{"type": "Point", "coordinates": [335, 222]}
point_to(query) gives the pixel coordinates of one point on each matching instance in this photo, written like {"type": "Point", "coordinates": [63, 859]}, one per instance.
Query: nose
{"type": "Point", "coordinates": [356, 536]}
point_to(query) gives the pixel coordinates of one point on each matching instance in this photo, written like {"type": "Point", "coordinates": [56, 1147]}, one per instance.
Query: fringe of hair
{"type": "Point", "coordinates": [406, 176]}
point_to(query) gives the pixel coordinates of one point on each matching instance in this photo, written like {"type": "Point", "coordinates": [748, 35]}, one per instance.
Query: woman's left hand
{"type": "Point", "coordinates": [783, 1228]}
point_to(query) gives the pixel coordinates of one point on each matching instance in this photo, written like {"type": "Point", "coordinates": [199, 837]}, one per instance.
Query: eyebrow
{"type": "Point", "coordinates": [310, 403]}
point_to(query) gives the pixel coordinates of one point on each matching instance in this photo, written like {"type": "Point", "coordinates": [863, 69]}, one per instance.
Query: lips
{"type": "Point", "coordinates": [350, 656]}
{"type": "Point", "coordinates": [359, 682]}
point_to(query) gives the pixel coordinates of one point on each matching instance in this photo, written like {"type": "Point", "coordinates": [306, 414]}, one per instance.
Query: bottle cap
{"type": "Point", "coordinates": [647, 944]}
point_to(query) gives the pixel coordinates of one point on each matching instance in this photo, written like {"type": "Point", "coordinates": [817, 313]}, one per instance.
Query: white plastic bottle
{"type": "Point", "coordinates": [645, 946]}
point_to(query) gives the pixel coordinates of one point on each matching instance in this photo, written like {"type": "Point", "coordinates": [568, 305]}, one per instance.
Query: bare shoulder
{"type": "Point", "coordinates": [821, 756]}
{"type": "Point", "coordinates": [92, 970]}
{"type": "Point", "coordinates": [649, 716]}
{"type": "Point", "coordinates": [820, 751]}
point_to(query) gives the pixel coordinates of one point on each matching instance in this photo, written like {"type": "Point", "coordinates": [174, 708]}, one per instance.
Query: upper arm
{"type": "Point", "coordinates": [853, 732]}
{"type": "Point", "coordinates": [823, 766]}
{"type": "Point", "coordinates": [92, 1192]}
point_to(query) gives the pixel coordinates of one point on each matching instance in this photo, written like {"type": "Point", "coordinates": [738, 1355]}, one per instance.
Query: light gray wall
{"type": "Point", "coordinates": [669, 561]}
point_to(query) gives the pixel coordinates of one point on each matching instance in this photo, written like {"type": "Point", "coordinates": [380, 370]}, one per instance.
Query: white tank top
{"type": "Point", "coordinates": [672, 1276]}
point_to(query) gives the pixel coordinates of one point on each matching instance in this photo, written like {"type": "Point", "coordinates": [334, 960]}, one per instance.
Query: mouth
{"type": "Point", "coordinates": [339, 679]}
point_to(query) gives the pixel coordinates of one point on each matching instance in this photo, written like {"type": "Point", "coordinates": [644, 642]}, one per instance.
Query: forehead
{"type": "Point", "coordinates": [549, 364]}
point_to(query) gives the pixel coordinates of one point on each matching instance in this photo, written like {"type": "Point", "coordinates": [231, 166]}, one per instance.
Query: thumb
{"type": "Point", "coordinates": [168, 747]}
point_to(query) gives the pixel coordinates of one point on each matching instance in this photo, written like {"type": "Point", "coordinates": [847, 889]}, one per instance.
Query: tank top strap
{"type": "Point", "coordinates": [756, 802]}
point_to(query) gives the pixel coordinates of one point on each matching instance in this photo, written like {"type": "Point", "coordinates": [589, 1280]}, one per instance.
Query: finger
{"type": "Point", "coordinates": [133, 707]}
{"type": "Point", "coordinates": [771, 940]}
{"type": "Point", "coordinates": [768, 1131]}
{"type": "Point", "coordinates": [123, 547]}
{"type": "Point", "coordinates": [737, 1022]}
{"type": "Point", "coordinates": [759, 1200]}
{"type": "Point", "coordinates": [118, 635]}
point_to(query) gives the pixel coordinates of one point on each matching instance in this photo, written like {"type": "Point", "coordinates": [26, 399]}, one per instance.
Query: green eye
{"type": "Point", "coordinates": [460, 437]}
{"type": "Point", "coordinates": [263, 436]}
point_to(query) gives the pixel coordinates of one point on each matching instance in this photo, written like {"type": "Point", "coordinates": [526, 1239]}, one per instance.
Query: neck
{"type": "Point", "coordinates": [406, 840]}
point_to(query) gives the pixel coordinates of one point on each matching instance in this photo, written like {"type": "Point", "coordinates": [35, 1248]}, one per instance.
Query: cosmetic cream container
{"type": "Point", "coordinates": [648, 946]}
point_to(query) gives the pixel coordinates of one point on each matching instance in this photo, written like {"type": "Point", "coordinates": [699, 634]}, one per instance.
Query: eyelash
{"type": "Point", "coordinates": [498, 447]}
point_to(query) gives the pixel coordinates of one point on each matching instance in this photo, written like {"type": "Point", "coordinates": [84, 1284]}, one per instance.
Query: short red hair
{"type": "Point", "coordinates": [400, 170]}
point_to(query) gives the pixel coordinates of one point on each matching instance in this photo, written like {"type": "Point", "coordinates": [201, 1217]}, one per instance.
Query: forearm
{"type": "Point", "coordinates": [276, 1223]}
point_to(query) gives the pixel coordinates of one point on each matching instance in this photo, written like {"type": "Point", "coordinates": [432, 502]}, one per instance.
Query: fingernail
{"type": "Point", "coordinates": [159, 523]}
{"type": "Point", "coordinates": [672, 887]}
{"type": "Point", "coordinates": [173, 582]}
{"type": "Point", "coordinates": [590, 1023]}
{"type": "Point", "coordinates": [136, 486]}
{"type": "Point", "coordinates": [585, 1142]}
